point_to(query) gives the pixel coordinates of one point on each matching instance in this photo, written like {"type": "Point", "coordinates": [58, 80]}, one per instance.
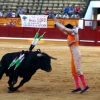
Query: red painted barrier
{"type": "Point", "coordinates": [4, 31]}
{"type": "Point", "coordinates": [98, 36]}
{"type": "Point", "coordinates": [16, 32]}
{"type": "Point", "coordinates": [28, 32]}
{"type": "Point", "coordinates": [87, 36]}
{"type": "Point", "coordinates": [23, 32]}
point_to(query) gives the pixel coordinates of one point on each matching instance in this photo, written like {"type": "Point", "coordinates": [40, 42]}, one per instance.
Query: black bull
{"type": "Point", "coordinates": [32, 62]}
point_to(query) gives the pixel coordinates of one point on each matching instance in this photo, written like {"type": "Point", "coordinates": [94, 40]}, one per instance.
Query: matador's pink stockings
{"type": "Point", "coordinates": [82, 78]}
{"type": "Point", "coordinates": [76, 79]}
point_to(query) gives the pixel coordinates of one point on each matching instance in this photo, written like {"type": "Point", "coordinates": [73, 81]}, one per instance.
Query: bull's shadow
{"type": "Point", "coordinates": [31, 63]}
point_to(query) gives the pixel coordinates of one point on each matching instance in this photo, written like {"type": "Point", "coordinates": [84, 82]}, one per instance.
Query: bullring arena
{"type": "Point", "coordinates": [57, 84]}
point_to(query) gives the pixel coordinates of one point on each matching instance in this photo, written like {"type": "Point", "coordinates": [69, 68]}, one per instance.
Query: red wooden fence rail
{"type": "Point", "coordinates": [87, 36]}
{"type": "Point", "coordinates": [23, 32]}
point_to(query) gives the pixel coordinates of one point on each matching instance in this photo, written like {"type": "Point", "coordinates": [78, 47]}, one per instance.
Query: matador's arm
{"type": "Point", "coordinates": [62, 27]}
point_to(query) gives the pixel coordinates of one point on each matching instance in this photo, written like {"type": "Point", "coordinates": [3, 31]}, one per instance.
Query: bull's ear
{"type": "Point", "coordinates": [39, 50]}
{"type": "Point", "coordinates": [53, 58]}
{"type": "Point", "coordinates": [39, 55]}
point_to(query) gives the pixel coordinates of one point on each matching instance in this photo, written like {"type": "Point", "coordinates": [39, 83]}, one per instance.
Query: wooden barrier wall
{"type": "Point", "coordinates": [24, 32]}
{"type": "Point", "coordinates": [87, 36]}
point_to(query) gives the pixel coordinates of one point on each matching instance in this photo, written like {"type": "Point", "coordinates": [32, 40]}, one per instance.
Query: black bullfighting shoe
{"type": "Point", "coordinates": [85, 89]}
{"type": "Point", "coordinates": [76, 90]}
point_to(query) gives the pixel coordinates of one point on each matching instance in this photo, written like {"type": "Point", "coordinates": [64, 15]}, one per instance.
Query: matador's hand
{"type": "Point", "coordinates": [68, 43]}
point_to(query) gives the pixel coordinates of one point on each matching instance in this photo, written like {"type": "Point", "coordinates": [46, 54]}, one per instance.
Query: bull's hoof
{"type": "Point", "coordinates": [9, 91]}
{"type": "Point", "coordinates": [12, 89]}
{"type": "Point", "coordinates": [15, 89]}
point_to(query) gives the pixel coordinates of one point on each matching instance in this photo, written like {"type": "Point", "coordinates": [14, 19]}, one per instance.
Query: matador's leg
{"type": "Point", "coordinates": [77, 59]}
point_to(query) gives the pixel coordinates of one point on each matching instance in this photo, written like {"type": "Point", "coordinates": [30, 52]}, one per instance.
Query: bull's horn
{"type": "Point", "coordinates": [53, 58]}
{"type": "Point", "coordinates": [40, 55]}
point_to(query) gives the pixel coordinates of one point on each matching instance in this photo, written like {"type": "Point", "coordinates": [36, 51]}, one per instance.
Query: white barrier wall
{"type": "Point", "coordinates": [89, 13]}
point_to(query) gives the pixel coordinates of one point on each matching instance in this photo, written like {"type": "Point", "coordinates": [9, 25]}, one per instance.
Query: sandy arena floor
{"type": "Point", "coordinates": [57, 84]}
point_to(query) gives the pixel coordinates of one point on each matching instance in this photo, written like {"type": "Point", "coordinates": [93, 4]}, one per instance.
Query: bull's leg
{"type": "Point", "coordinates": [15, 76]}
{"type": "Point", "coordinates": [23, 81]}
{"type": "Point", "coordinates": [10, 83]}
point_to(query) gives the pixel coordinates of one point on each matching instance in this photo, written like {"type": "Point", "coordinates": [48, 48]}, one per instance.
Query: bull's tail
{"type": "Point", "coordinates": [1, 70]}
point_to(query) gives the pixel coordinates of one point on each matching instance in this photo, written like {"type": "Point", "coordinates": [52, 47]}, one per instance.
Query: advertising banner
{"type": "Point", "coordinates": [35, 21]}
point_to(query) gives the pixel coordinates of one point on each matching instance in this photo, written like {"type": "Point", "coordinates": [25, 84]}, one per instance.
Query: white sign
{"type": "Point", "coordinates": [37, 21]}
{"type": "Point", "coordinates": [80, 23]}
